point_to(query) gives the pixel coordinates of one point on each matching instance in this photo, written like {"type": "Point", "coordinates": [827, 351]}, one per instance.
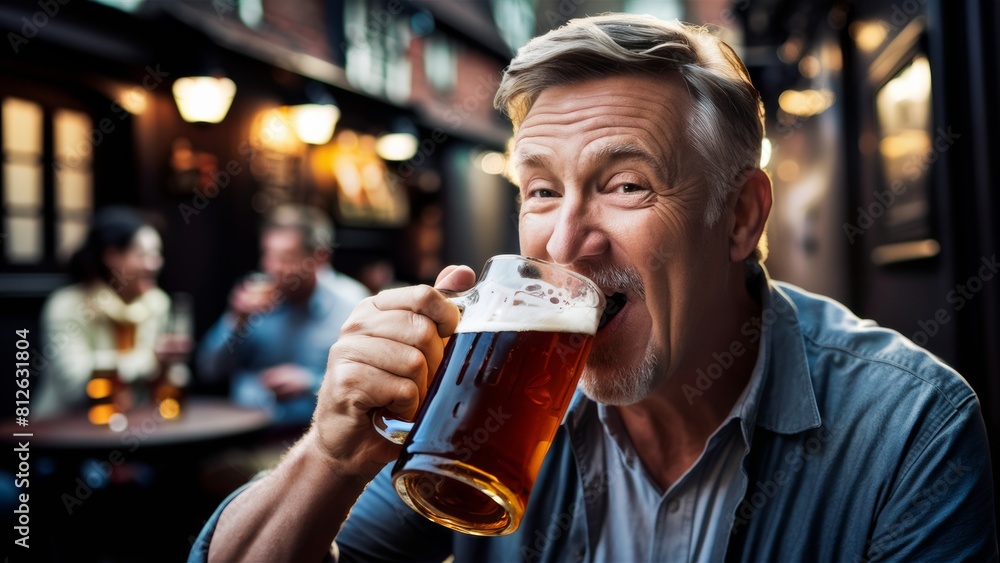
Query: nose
{"type": "Point", "coordinates": [577, 233]}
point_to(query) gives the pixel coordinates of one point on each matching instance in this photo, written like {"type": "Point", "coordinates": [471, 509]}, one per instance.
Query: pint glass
{"type": "Point", "coordinates": [499, 395]}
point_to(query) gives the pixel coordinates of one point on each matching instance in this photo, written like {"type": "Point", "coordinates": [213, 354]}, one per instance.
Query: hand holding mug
{"type": "Point", "coordinates": [387, 351]}
{"type": "Point", "coordinates": [256, 293]}
{"type": "Point", "coordinates": [502, 388]}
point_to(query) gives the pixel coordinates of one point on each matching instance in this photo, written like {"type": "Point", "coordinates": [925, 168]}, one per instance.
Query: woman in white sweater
{"type": "Point", "coordinates": [110, 318]}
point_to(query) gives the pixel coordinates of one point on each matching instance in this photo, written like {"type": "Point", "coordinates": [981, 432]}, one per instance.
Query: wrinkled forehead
{"type": "Point", "coordinates": [646, 111]}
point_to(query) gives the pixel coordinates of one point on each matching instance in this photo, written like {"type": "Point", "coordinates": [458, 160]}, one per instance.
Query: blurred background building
{"type": "Point", "coordinates": [881, 142]}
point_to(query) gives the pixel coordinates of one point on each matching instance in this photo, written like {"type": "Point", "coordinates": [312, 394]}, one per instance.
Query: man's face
{"type": "Point", "coordinates": [609, 186]}
{"type": "Point", "coordinates": [283, 255]}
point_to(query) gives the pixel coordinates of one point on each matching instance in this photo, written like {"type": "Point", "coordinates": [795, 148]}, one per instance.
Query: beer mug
{"type": "Point", "coordinates": [470, 459]}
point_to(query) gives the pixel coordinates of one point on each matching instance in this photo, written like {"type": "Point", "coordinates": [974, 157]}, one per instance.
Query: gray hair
{"type": "Point", "coordinates": [312, 223]}
{"type": "Point", "coordinates": [726, 124]}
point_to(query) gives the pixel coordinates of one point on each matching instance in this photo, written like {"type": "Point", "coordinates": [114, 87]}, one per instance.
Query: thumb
{"type": "Point", "coordinates": [455, 278]}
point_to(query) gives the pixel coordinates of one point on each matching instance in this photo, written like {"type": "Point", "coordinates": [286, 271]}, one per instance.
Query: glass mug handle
{"type": "Point", "coordinates": [390, 426]}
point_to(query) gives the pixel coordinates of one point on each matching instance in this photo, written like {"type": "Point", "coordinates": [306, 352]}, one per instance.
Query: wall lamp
{"type": "Point", "coordinates": [314, 123]}
{"type": "Point", "coordinates": [204, 98]}
{"type": "Point", "coordinates": [399, 144]}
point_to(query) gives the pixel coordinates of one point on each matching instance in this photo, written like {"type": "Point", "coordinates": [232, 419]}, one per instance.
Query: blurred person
{"type": "Point", "coordinates": [272, 341]}
{"type": "Point", "coordinates": [722, 415]}
{"type": "Point", "coordinates": [113, 310]}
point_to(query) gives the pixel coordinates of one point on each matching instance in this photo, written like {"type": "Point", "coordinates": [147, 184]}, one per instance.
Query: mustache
{"type": "Point", "coordinates": [625, 279]}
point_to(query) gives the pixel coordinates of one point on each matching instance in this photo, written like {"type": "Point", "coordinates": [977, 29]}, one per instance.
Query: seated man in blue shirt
{"type": "Point", "coordinates": [721, 415]}
{"type": "Point", "coordinates": [273, 340]}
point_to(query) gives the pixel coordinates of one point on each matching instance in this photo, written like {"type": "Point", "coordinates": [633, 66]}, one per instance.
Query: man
{"type": "Point", "coordinates": [722, 415]}
{"type": "Point", "coordinates": [273, 339]}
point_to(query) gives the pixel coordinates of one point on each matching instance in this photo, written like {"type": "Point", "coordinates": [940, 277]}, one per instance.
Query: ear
{"type": "Point", "coordinates": [749, 214]}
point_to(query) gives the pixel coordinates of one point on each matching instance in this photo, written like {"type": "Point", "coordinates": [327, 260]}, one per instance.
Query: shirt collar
{"type": "Point", "coordinates": [787, 400]}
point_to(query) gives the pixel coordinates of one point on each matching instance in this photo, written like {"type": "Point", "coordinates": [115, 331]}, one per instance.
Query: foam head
{"type": "Point", "coordinates": [531, 305]}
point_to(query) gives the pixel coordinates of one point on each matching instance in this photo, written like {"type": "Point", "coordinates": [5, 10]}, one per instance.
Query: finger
{"type": "Point", "coordinates": [456, 278]}
{"type": "Point", "coordinates": [423, 300]}
{"type": "Point", "coordinates": [406, 327]}
{"type": "Point", "coordinates": [397, 373]}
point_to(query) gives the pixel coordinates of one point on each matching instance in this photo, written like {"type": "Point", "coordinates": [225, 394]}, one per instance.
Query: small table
{"type": "Point", "coordinates": [201, 420]}
{"type": "Point", "coordinates": [150, 499]}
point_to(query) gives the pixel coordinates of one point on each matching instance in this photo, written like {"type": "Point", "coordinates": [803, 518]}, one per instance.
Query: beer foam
{"type": "Point", "coordinates": [536, 306]}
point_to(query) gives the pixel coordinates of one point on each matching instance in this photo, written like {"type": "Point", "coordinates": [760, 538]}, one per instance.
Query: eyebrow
{"type": "Point", "coordinates": [629, 151]}
{"type": "Point", "coordinates": [605, 154]}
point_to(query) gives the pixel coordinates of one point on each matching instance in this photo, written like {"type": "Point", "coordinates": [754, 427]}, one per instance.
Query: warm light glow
{"type": "Point", "coordinates": [204, 98]}
{"type": "Point", "coordinates": [788, 170]}
{"type": "Point", "coordinates": [170, 408]}
{"type": "Point", "coordinates": [396, 146]}
{"type": "Point", "coordinates": [273, 130]}
{"type": "Point", "coordinates": [805, 103]}
{"type": "Point", "coordinates": [903, 251]}
{"type": "Point", "coordinates": [906, 142]}
{"type": "Point", "coordinates": [100, 414]}
{"type": "Point", "coordinates": [765, 152]}
{"type": "Point", "coordinates": [913, 84]}
{"type": "Point", "coordinates": [98, 388]}
{"type": "Point", "coordinates": [133, 100]}
{"type": "Point", "coordinates": [810, 66]}
{"type": "Point", "coordinates": [868, 35]}
{"type": "Point", "coordinates": [493, 163]}
{"type": "Point", "coordinates": [314, 123]}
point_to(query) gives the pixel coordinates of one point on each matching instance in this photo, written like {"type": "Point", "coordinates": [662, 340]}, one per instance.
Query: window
{"type": "Point", "coordinates": [43, 148]}
{"type": "Point", "coordinates": [378, 38]}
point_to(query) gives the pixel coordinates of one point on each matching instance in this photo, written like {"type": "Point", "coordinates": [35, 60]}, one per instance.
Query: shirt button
{"type": "Point", "coordinates": [674, 506]}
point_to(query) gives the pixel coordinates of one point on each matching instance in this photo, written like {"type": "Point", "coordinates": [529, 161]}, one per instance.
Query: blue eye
{"type": "Point", "coordinates": [630, 188]}
{"type": "Point", "coordinates": [542, 193]}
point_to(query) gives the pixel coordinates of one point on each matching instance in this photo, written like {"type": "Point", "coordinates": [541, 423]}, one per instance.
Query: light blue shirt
{"type": "Point", "coordinates": [298, 333]}
{"type": "Point", "coordinates": [863, 447]}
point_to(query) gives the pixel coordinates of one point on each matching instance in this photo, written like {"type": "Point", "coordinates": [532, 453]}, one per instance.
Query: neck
{"type": "Point", "coordinates": [670, 428]}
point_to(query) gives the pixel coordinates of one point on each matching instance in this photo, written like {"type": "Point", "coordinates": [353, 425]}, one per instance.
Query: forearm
{"type": "Point", "coordinates": [293, 514]}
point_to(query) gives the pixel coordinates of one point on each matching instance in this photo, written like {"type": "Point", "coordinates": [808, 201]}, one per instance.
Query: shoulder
{"type": "Point", "coordinates": [157, 301]}
{"type": "Point", "coordinates": [868, 353]}
{"type": "Point", "coordinates": [65, 300]}
{"type": "Point", "coordinates": [856, 358]}
{"type": "Point", "coordinates": [345, 286]}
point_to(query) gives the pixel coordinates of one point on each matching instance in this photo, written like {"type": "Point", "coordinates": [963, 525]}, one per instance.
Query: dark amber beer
{"type": "Point", "coordinates": [499, 398]}
{"type": "Point", "coordinates": [499, 395]}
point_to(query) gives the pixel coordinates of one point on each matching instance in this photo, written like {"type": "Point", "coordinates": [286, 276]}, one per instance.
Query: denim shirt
{"type": "Point", "coordinates": [298, 333]}
{"type": "Point", "coordinates": [864, 447]}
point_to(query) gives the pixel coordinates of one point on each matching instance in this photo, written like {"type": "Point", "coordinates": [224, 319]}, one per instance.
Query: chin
{"type": "Point", "coordinates": [607, 381]}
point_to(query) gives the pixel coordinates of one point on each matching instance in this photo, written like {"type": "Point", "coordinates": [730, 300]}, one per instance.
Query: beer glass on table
{"type": "Point", "coordinates": [508, 374]}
